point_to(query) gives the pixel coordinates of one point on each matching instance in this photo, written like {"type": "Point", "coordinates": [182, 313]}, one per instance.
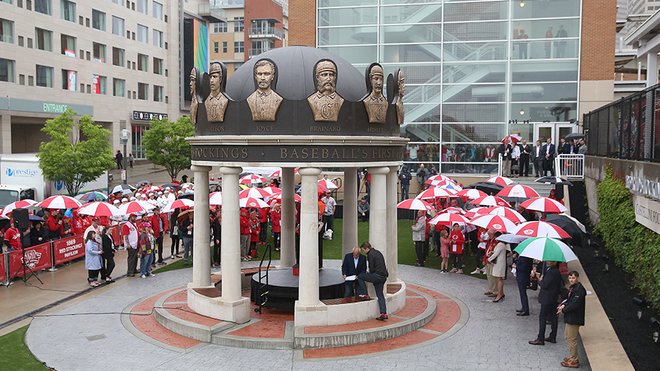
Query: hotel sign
{"type": "Point", "coordinates": [647, 212]}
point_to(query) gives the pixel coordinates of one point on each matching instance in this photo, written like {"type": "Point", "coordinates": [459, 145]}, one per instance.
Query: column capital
{"type": "Point", "coordinates": [197, 168]}
{"type": "Point", "coordinates": [379, 170]}
{"type": "Point", "coordinates": [309, 171]}
{"type": "Point", "coordinates": [230, 170]}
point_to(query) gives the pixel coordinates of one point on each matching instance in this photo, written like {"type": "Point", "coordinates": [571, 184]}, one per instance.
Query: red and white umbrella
{"type": "Point", "coordinates": [278, 197]}
{"type": "Point", "coordinates": [445, 184]}
{"type": "Point", "coordinates": [414, 204]}
{"type": "Point", "coordinates": [518, 191]}
{"type": "Point", "coordinates": [326, 185]}
{"type": "Point", "coordinates": [540, 229]}
{"type": "Point", "coordinates": [59, 202]}
{"type": "Point", "coordinates": [507, 212]}
{"type": "Point", "coordinates": [272, 190]}
{"type": "Point", "coordinates": [500, 180]}
{"type": "Point", "coordinates": [512, 138]}
{"type": "Point", "coordinates": [253, 192]}
{"type": "Point", "coordinates": [439, 177]}
{"type": "Point", "coordinates": [178, 204]}
{"type": "Point", "coordinates": [252, 202]}
{"type": "Point", "coordinates": [475, 212]}
{"type": "Point", "coordinates": [252, 179]}
{"type": "Point", "coordinates": [434, 192]}
{"type": "Point", "coordinates": [453, 210]}
{"type": "Point", "coordinates": [495, 222]}
{"type": "Point", "coordinates": [215, 199]}
{"type": "Point", "coordinates": [471, 194]}
{"type": "Point", "coordinates": [98, 209]}
{"type": "Point", "coordinates": [135, 207]}
{"type": "Point", "coordinates": [490, 201]}
{"type": "Point", "coordinates": [278, 173]}
{"type": "Point", "coordinates": [544, 204]}
{"type": "Point", "coordinates": [449, 219]}
{"type": "Point", "coordinates": [17, 205]}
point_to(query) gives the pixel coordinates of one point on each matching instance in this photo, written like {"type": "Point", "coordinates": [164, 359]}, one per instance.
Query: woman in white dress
{"type": "Point", "coordinates": [498, 259]}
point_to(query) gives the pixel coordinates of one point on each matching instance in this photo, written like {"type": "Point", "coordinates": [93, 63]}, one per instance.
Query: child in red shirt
{"type": "Point", "coordinates": [456, 240]}
{"type": "Point", "coordinates": [255, 230]}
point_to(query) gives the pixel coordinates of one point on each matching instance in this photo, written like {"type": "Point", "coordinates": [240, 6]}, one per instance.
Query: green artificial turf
{"type": "Point", "coordinates": [15, 355]}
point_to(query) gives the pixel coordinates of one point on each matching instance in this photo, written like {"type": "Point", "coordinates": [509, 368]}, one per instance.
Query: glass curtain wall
{"type": "Point", "coordinates": [475, 70]}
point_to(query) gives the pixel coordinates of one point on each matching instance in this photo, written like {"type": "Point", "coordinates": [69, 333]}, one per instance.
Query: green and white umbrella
{"type": "Point", "coordinates": [545, 249]}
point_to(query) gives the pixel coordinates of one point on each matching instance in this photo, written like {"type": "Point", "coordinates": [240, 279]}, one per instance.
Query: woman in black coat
{"type": "Point", "coordinates": [573, 308]}
{"type": "Point", "coordinates": [107, 256]}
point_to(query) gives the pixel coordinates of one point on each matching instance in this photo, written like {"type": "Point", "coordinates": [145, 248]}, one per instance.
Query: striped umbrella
{"type": "Point", "coordinates": [252, 179]}
{"type": "Point", "coordinates": [434, 192]}
{"type": "Point", "coordinates": [453, 210]}
{"type": "Point", "coordinates": [59, 202]}
{"type": "Point", "coordinates": [471, 194]}
{"type": "Point", "coordinates": [507, 212]}
{"type": "Point", "coordinates": [438, 178]}
{"type": "Point", "coordinates": [252, 202]}
{"type": "Point", "coordinates": [500, 180]}
{"type": "Point", "coordinates": [494, 222]}
{"type": "Point", "coordinates": [99, 209]}
{"type": "Point", "coordinates": [414, 204]}
{"type": "Point", "coordinates": [92, 196]}
{"type": "Point", "coordinates": [545, 249]}
{"type": "Point", "coordinates": [449, 219]}
{"type": "Point", "coordinates": [180, 203]}
{"type": "Point", "coordinates": [476, 211]}
{"type": "Point", "coordinates": [278, 197]}
{"type": "Point", "coordinates": [544, 204]}
{"type": "Point", "coordinates": [326, 185]}
{"type": "Point", "coordinates": [215, 199]}
{"type": "Point", "coordinates": [17, 205]}
{"type": "Point", "coordinates": [540, 229]}
{"type": "Point", "coordinates": [490, 201]}
{"type": "Point", "coordinates": [135, 207]}
{"type": "Point", "coordinates": [272, 190]}
{"type": "Point", "coordinates": [518, 191]}
{"type": "Point", "coordinates": [278, 173]}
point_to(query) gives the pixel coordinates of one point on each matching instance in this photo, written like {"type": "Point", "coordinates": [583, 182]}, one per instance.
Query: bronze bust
{"type": "Point", "coordinates": [193, 94]}
{"type": "Point", "coordinates": [264, 102]}
{"type": "Point", "coordinates": [325, 103]}
{"type": "Point", "coordinates": [398, 100]}
{"type": "Point", "coordinates": [216, 103]}
{"type": "Point", "coordinates": [375, 103]}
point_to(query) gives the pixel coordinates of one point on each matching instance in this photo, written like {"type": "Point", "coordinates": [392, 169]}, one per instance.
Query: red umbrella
{"type": "Point", "coordinates": [98, 209]}
{"type": "Point", "coordinates": [512, 138]}
{"type": "Point", "coordinates": [252, 202]}
{"type": "Point", "coordinates": [490, 201]}
{"type": "Point", "coordinates": [252, 179]}
{"type": "Point", "coordinates": [326, 185]}
{"type": "Point", "coordinates": [253, 192]}
{"type": "Point", "coordinates": [500, 180]}
{"type": "Point", "coordinates": [518, 191]}
{"type": "Point", "coordinates": [17, 205]}
{"type": "Point", "coordinates": [272, 190]}
{"type": "Point", "coordinates": [495, 222]}
{"type": "Point", "coordinates": [453, 210]}
{"type": "Point", "coordinates": [180, 203]}
{"type": "Point", "coordinates": [278, 197]}
{"type": "Point", "coordinates": [215, 199]}
{"type": "Point", "coordinates": [449, 219]}
{"type": "Point", "coordinates": [544, 204]}
{"type": "Point", "coordinates": [471, 194]}
{"type": "Point", "coordinates": [59, 202]}
{"type": "Point", "coordinates": [540, 229]}
{"type": "Point", "coordinates": [475, 212]}
{"type": "Point", "coordinates": [507, 212]}
{"type": "Point", "coordinates": [434, 192]}
{"type": "Point", "coordinates": [278, 173]}
{"type": "Point", "coordinates": [414, 204]}
{"type": "Point", "coordinates": [135, 207]}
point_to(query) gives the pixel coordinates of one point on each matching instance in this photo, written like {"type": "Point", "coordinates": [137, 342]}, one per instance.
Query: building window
{"type": "Point", "coordinates": [68, 10]}
{"type": "Point", "coordinates": [6, 31]}
{"type": "Point", "coordinates": [224, 46]}
{"type": "Point", "coordinates": [238, 24]}
{"type": "Point", "coordinates": [6, 1]}
{"type": "Point", "coordinates": [220, 27]}
{"type": "Point", "coordinates": [118, 87]}
{"type": "Point", "coordinates": [143, 61]}
{"type": "Point", "coordinates": [216, 47]}
{"type": "Point", "coordinates": [142, 6]}
{"type": "Point", "coordinates": [158, 38]}
{"type": "Point", "coordinates": [137, 135]}
{"type": "Point", "coordinates": [44, 39]}
{"type": "Point", "coordinates": [45, 76]}
{"type": "Point", "coordinates": [142, 33]}
{"type": "Point", "coordinates": [118, 2]}
{"type": "Point", "coordinates": [158, 66]}
{"type": "Point", "coordinates": [69, 80]}
{"type": "Point", "coordinates": [7, 70]}
{"type": "Point", "coordinates": [99, 52]}
{"type": "Point", "coordinates": [68, 44]}
{"type": "Point", "coordinates": [42, 6]}
{"type": "Point", "coordinates": [158, 93]}
{"type": "Point", "coordinates": [117, 26]}
{"type": "Point", "coordinates": [158, 10]}
{"type": "Point", "coordinates": [143, 91]}
{"type": "Point", "coordinates": [118, 57]}
{"type": "Point", "coordinates": [99, 84]}
{"type": "Point", "coordinates": [98, 20]}
{"type": "Point", "coordinates": [238, 46]}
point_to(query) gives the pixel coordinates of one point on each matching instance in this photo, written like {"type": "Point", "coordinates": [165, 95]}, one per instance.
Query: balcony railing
{"type": "Point", "coordinates": [265, 33]}
{"type": "Point", "coordinates": [256, 51]}
{"type": "Point", "coordinates": [211, 13]}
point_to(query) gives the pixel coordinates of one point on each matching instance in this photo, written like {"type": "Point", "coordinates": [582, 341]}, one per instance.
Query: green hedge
{"type": "Point", "coordinates": [634, 247]}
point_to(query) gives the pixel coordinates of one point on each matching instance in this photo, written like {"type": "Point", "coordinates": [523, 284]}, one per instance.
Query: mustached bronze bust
{"type": "Point", "coordinates": [325, 103]}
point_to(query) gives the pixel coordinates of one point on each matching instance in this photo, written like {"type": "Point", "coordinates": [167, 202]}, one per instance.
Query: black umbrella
{"type": "Point", "coordinates": [490, 188]}
{"type": "Point", "coordinates": [574, 136]}
{"type": "Point", "coordinates": [564, 222]}
{"type": "Point", "coordinates": [553, 180]}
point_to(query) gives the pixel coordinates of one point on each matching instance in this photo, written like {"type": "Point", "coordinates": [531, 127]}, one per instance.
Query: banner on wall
{"type": "Point", "coordinates": [36, 258]}
{"type": "Point", "coordinates": [72, 79]}
{"type": "Point", "coordinates": [67, 249]}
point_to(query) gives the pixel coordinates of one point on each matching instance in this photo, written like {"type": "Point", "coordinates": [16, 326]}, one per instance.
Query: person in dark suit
{"type": "Point", "coordinates": [573, 309]}
{"type": "Point", "coordinates": [550, 284]}
{"type": "Point", "coordinates": [354, 264]}
{"type": "Point", "coordinates": [548, 152]}
{"type": "Point", "coordinates": [525, 151]}
{"type": "Point", "coordinates": [569, 147]}
{"type": "Point", "coordinates": [537, 155]}
{"type": "Point", "coordinates": [523, 272]}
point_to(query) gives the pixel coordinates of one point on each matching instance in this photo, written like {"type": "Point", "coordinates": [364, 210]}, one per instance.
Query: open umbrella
{"type": "Point", "coordinates": [507, 212]}
{"type": "Point", "coordinates": [574, 136]}
{"type": "Point", "coordinates": [278, 197]}
{"type": "Point", "coordinates": [553, 180]}
{"type": "Point", "coordinates": [545, 249]}
{"type": "Point", "coordinates": [253, 192]}
{"type": "Point", "coordinates": [494, 222]}
{"type": "Point", "coordinates": [98, 209]}
{"type": "Point", "coordinates": [544, 204]}
{"type": "Point", "coordinates": [414, 204]}
{"type": "Point", "coordinates": [439, 177]}
{"type": "Point", "coordinates": [17, 205]}
{"type": "Point", "coordinates": [252, 202]}
{"type": "Point", "coordinates": [278, 173]}
{"type": "Point", "coordinates": [471, 194]}
{"type": "Point", "coordinates": [476, 211]}
{"type": "Point", "coordinates": [215, 199]}
{"type": "Point", "coordinates": [511, 238]}
{"type": "Point", "coordinates": [449, 219]}
{"type": "Point", "coordinates": [448, 184]}
{"type": "Point", "coordinates": [59, 202]}
{"type": "Point", "coordinates": [135, 207]}
{"type": "Point", "coordinates": [512, 138]}
{"type": "Point", "coordinates": [272, 190]}
{"type": "Point", "coordinates": [490, 201]}
{"type": "Point", "coordinates": [434, 192]}
{"type": "Point", "coordinates": [540, 229]}
{"type": "Point", "coordinates": [252, 179]}
{"type": "Point", "coordinates": [92, 196]}
{"type": "Point", "coordinates": [178, 204]}
{"type": "Point", "coordinates": [453, 210]}
{"type": "Point", "coordinates": [571, 226]}
{"type": "Point", "coordinates": [125, 189]}
{"type": "Point", "coordinates": [326, 185]}
{"type": "Point", "coordinates": [500, 180]}
{"type": "Point", "coordinates": [486, 187]}
{"type": "Point", "coordinates": [518, 191]}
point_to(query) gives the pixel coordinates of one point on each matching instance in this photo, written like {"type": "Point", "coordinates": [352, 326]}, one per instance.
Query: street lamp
{"type": "Point", "coordinates": [124, 141]}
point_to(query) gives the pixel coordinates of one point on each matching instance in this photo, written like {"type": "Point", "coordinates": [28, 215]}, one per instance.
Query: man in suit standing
{"type": "Point", "coordinates": [536, 158]}
{"type": "Point", "coordinates": [377, 275]}
{"type": "Point", "coordinates": [354, 264]}
{"type": "Point", "coordinates": [525, 151]}
{"type": "Point", "coordinates": [550, 284]}
{"type": "Point", "coordinates": [505, 150]}
{"type": "Point", "coordinates": [523, 272]}
{"type": "Point", "coordinates": [548, 151]}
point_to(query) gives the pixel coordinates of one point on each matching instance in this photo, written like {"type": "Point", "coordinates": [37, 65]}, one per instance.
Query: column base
{"type": "Point", "coordinates": [216, 307]}
{"type": "Point", "coordinates": [310, 315]}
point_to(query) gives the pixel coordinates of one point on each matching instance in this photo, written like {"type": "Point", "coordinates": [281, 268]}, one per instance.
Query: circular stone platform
{"type": "Point", "coordinates": [427, 316]}
{"type": "Point", "coordinates": [282, 287]}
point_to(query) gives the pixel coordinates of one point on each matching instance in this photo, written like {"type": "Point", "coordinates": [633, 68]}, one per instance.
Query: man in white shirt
{"type": "Point", "coordinates": [96, 228]}
{"type": "Point", "coordinates": [129, 231]}
{"type": "Point", "coordinates": [329, 212]}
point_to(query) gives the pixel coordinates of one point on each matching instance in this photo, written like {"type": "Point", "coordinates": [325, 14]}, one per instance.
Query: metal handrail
{"type": "Point", "coordinates": [570, 166]}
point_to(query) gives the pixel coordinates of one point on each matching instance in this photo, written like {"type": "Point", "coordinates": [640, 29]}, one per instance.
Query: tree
{"type": "Point", "coordinates": [165, 144]}
{"type": "Point", "coordinates": [74, 159]}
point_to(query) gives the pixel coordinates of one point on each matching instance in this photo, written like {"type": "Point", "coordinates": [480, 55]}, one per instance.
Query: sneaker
{"type": "Point", "coordinates": [476, 271]}
{"type": "Point", "coordinates": [109, 280]}
{"type": "Point", "coordinates": [152, 274]}
{"type": "Point", "coordinates": [143, 276]}
{"type": "Point", "coordinates": [172, 257]}
{"type": "Point", "coordinates": [364, 297]}
{"type": "Point", "coordinates": [443, 271]}
{"type": "Point", "coordinates": [382, 317]}
{"type": "Point", "coordinates": [571, 364]}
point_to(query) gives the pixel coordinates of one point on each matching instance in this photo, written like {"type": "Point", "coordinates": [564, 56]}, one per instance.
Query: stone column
{"type": "Point", "coordinates": [308, 290]}
{"type": "Point", "coordinates": [377, 209]}
{"type": "Point", "coordinates": [201, 245]}
{"type": "Point", "coordinates": [230, 255]}
{"type": "Point", "coordinates": [391, 259]}
{"type": "Point", "coordinates": [288, 221]}
{"type": "Point", "coordinates": [651, 69]}
{"type": "Point", "coordinates": [349, 237]}
{"type": "Point", "coordinates": [5, 133]}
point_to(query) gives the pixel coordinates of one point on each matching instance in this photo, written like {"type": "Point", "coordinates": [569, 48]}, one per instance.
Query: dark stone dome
{"type": "Point", "coordinates": [295, 75]}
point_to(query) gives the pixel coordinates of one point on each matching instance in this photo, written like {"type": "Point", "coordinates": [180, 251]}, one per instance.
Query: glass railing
{"type": "Point", "coordinates": [265, 32]}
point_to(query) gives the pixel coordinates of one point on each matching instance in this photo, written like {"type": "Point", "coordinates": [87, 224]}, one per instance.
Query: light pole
{"type": "Point", "coordinates": [124, 141]}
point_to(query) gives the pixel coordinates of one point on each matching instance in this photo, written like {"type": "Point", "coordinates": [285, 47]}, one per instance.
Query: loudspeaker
{"type": "Point", "coordinates": [21, 219]}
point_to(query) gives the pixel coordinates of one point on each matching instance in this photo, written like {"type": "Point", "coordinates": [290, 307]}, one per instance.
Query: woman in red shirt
{"type": "Point", "coordinates": [275, 218]}
{"type": "Point", "coordinates": [255, 229]}
{"type": "Point", "coordinates": [456, 240]}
